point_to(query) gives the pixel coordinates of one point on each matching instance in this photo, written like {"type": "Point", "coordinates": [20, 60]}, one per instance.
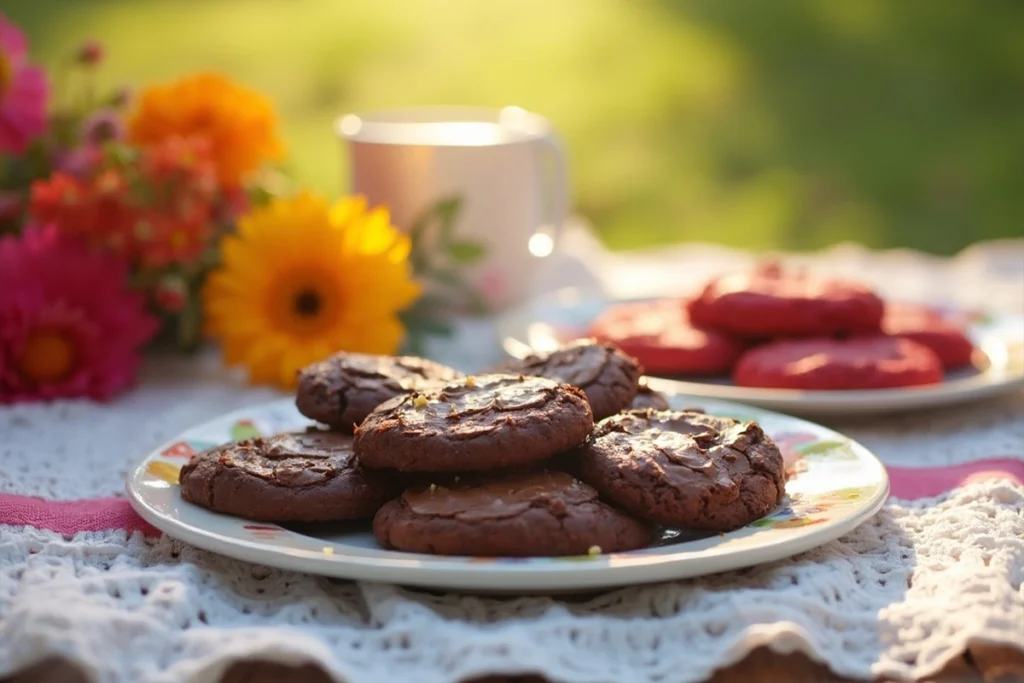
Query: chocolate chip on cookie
{"type": "Point", "coordinates": [341, 390]}
{"type": "Point", "coordinates": [309, 476]}
{"type": "Point", "coordinates": [685, 470]}
{"type": "Point", "coordinates": [479, 423]}
{"type": "Point", "coordinates": [607, 375]}
{"type": "Point", "coordinates": [528, 514]}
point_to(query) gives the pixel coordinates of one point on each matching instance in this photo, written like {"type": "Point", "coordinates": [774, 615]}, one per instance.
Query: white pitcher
{"type": "Point", "coordinates": [506, 166]}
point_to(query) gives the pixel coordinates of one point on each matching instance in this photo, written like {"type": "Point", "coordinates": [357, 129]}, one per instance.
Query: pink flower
{"type": "Point", "coordinates": [69, 327]}
{"type": "Point", "coordinates": [23, 92]}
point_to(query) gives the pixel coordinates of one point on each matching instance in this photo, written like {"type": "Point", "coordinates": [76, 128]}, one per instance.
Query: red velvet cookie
{"type": "Point", "coordinates": [924, 326]}
{"type": "Point", "coordinates": [771, 302]}
{"type": "Point", "coordinates": [876, 362]}
{"type": "Point", "coordinates": [660, 336]}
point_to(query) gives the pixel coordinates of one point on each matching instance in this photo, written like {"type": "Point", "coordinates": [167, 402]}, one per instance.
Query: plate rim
{"type": "Point", "coordinates": [602, 572]}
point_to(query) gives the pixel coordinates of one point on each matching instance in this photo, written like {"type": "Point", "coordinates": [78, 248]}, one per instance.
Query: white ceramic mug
{"type": "Point", "coordinates": [506, 166]}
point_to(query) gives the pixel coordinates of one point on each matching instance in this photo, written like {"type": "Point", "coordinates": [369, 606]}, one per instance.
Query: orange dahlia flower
{"type": "Point", "coordinates": [239, 124]}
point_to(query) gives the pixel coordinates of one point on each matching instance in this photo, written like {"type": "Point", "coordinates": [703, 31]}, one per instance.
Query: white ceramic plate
{"type": "Point", "coordinates": [835, 484]}
{"type": "Point", "coordinates": [547, 321]}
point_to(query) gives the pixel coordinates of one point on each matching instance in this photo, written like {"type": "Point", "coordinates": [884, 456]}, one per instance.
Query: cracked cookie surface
{"type": "Point", "coordinates": [309, 476]}
{"type": "Point", "coordinates": [528, 514]}
{"type": "Point", "coordinates": [480, 423]}
{"type": "Point", "coordinates": [340, 391]}
{"type": "Point", "coordinates": [606, 375]}
{"type": "Point", "coordinates": [685, 470]}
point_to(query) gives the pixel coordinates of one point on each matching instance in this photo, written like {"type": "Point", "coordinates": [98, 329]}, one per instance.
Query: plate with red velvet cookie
{"type": "Point", "coordinates": [791, 343]}
{"type": "Point", "coordinates": [505, 483]}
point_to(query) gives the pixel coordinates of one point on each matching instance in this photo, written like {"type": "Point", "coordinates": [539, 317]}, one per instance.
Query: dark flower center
{"type": "Point", "coordinates": [307, 303]}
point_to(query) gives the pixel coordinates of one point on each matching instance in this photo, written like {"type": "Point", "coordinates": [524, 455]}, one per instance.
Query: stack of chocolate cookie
{"type": "Point", "coordinates": [506, 463]}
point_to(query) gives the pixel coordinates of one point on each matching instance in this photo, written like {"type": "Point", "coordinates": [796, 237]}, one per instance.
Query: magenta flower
{"type": "Point", "coordinates": [23, 92]}
{"type": "Point", "coordinates": [69, 327]}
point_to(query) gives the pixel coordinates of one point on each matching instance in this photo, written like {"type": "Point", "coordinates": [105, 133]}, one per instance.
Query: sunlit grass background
{"type": "Point", "coordinates": [766, 124]}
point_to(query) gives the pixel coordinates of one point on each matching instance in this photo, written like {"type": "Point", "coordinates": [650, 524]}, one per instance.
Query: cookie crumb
{"type": "Point", "coordinates": [470, 381]}
{"type": "Point", "coordinates": [420, 401]}
{"type": "Point", "coordinates": [594, 550]}
{"type": "Point", "coordinates": [328, 550]}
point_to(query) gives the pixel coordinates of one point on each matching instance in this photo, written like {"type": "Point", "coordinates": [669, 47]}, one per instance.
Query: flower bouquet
{"type": "Point", "coordinates": [162, 217]}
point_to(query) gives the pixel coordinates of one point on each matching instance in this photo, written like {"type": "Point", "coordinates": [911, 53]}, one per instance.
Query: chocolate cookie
{"type": "Point", "coordinates": [648, 398]}
{"type": "Point", "coordinates": [661, 337]}
{"type": "Point", "coordinates": [770, 302]}
{"type": "Point", "coordinates": [342, 390]}
{"type": "Point", "coordinates": [309, 476]}
{"type": "Point", "coordinates": [480, 423]}
{"type": "Point", "coordinates": [534, 514]}
{"type": "Point", "coordinates": [607, 375]}
{"type": "Point", "coordinates": [839, 364]}
{"type": "Point", "coordinates": [685, 470]}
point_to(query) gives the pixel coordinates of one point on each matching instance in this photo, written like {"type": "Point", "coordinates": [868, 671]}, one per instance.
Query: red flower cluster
{"type": "Point", "coordinates": [153, 206]}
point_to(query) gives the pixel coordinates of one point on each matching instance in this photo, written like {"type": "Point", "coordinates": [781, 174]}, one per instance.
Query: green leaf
{"type": "Point", "coordinates": [442, 212]}
{"type": "Point", "coordinates": [832, 448]}
{"type": "Point", "coordinates": [447, 210]}
{"type": "Point", "coordinates": [465, 252]}
{"type": "Point", "coordinates": [430, 306]}
{"type": "Point", "coordinates": [447, 277]}
{"type": "Point", "coordinates": [413, 344]}
{"type": "Point", "coordinates": [470, 298]}
{"type": "Point", "coordinates": [419, 261]}
{"type": "Point", "coordinates": [430, 326]}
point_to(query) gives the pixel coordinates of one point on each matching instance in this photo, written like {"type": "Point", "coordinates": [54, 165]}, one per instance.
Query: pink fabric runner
{"type": "Point", "coordinates": [70, 517]}
{"type": "Point", "coordinates": [101, 514]}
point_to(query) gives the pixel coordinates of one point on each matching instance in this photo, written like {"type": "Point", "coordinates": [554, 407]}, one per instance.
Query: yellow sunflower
{"type": "Point", "coordinates": [239, 124]}
{"type": "Point", "coordinates": [303, 279]}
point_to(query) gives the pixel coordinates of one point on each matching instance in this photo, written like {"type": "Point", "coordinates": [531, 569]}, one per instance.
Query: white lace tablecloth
{"type": "Point", "coordinates": [898, 597]}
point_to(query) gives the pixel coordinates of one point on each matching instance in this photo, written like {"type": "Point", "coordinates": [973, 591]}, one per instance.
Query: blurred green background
{"type": "Point", "coordinates": [762, 123]}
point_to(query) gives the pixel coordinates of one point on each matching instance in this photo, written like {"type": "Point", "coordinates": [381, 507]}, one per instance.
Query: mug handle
{"type": "Point", "coordinates": [558, 186]}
